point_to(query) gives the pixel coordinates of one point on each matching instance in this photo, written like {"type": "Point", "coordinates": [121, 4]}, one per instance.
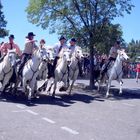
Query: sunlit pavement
{"type": "Point", "coordinates": [86, 115]}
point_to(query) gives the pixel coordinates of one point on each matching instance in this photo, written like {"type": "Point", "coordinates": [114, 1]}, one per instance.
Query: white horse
{"type": "Point", "coordinates": [6, 68]}
{"type": "Point", "coordinates": [61, 71]}
{"type": "Point", "coordinates": [30, 73]}
{"type": "Point", "coordinates": [43, 67]}
{"type": "Point", "coordinates": [116, 71]}
{"type": "Point", "coordinates": [73, 67]}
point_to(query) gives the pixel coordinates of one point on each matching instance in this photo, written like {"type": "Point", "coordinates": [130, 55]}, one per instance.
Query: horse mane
{"type": "Point", "coordinates": [35, 52]}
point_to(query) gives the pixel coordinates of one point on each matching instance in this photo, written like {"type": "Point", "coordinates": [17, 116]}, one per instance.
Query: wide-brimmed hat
{"type": "Point", "coordinates": [30, 34]}
{"type": "Point", "coordinates": [11, 36]}
{"type": "Point", "coordinates": [61, 38]}
{"type": "Point", "coordinates": [73, 40]}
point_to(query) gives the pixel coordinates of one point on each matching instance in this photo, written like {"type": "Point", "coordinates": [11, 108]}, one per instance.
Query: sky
{"type": "Point", "coordinates": [14, 11]}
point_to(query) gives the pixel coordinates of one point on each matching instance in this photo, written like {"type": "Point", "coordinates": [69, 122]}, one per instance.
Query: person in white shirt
{"type": "Point", "coordinates": [30, 46]}
{"type": "Point", "coordinates": [72, 48]}
{"type": "Point", "coordinates": [112, 56]}
{"type": "Point", "coordinates": [57, 49]}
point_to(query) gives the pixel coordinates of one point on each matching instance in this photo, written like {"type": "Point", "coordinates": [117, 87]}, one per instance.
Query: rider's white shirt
{"type": "Point", "coordinates": [113, 52]}
{"type": "Point", "coordinates": [56, 48]}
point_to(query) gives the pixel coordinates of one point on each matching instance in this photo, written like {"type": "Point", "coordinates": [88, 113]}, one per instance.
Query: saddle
{"type": "Point", "coordinates": [105, 68]}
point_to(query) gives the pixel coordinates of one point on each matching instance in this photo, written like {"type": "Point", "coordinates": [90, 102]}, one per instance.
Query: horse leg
{"type": "Point", "coordinates": [137, 75]}
{"type": "Point", "coordinates": [108, 88]}
{"type": "Point", "coordinates": [29, 92]}
{"type": "Point", "coordinates": [44, 86]}
{"type": "Point", "coordinates": [71, 86]}
{"type": "Point", "coordinates": [49, 89]}
{"type": "Point", "coordinates": [54, 88]}
{"type": "Point", "coordinates": [24, 86]}
{"type": "Point", "coordinates": [121, 83]}
{"type": "Point", "coordinates": [4, 85]}
{"type": "Point", "coordinates": [33, 88]}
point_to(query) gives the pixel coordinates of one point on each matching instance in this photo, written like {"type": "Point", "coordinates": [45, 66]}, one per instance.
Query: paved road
{"type": "Point", "coordinates": [86, 115]}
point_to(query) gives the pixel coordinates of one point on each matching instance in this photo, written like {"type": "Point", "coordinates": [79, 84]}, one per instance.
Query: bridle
{"type": "Point", "coordinates": [34, 71]}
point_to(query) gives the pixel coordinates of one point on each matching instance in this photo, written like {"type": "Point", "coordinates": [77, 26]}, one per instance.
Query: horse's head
{"type": "Point", "coordinates": [40, 54]}
{"type": "Point", "coordinates": [122, 55]}
{"type": "Point", "coordinates": [50, 54]}
{"type": "Point", "coordinates": [66, 55]}
{"type": "Point", "coordinates": [11, 55]}
{"type": "Point", "coordinates": [78, 53]}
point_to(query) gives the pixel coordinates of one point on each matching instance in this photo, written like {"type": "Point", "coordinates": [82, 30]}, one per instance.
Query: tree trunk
{"type": "Point", "coordinates": [92, 76]}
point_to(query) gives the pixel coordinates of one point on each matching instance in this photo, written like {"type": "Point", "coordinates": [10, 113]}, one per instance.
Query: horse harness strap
{"type": "Point", "coordinates": [34, 72]}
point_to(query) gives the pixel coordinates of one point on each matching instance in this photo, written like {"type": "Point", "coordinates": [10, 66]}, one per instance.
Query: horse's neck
{"type": "Point", "coordinates": [35, 62]}
{"type": "Point", "coordinates": [74, 62]}
{"type": "Point", "coordinates": [63, 64]}
{"type": "Point", "coordinates": [6, 63]}
{"type": "Point", "coordinates": [118, 63]}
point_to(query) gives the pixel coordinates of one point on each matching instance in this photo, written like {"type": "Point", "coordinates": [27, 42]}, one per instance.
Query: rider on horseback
{"type": "Point", "coordinates": [9, 46]}
{"type": "Point", "coordinates": [72, 48]}
{"type": "Point", "coordinates": [30, 46]}
{"type": "Point", "coordinates": [112, 57]}
{"type": "Point", "coordinates": [57, 49]}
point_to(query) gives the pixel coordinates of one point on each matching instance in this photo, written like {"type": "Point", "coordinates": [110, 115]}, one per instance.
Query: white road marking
{"type": "Point", "coordinates": [70, 130]}
{"type": "Point", "coordinates": [129, 104]}
{"type": "Point", "coordinates": [31, 112]}
{"type": "Point", "coordinates": [16, 111]}
{"type": "Point", "coordinates": [48, 120]}
{"type": "Point", "coordinates": [20, 106]}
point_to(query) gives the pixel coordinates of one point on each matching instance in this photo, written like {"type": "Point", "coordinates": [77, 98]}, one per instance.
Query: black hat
{"type": "Point", "coordinates": [11, 36]}
{"type": "Point", "coordinates": [61, 38]}
{"type": "Point", "coordinates": [73, 40]}
{"type": "Point", "coordinates": [30, 34]}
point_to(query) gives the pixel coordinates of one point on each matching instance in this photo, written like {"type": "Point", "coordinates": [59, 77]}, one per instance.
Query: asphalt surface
{"type": "Point", "coordinates": [86, 115]}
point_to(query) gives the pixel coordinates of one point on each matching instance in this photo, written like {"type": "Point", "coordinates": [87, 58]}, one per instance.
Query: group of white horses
{"type": "Point", "coordinates": [66, 71]}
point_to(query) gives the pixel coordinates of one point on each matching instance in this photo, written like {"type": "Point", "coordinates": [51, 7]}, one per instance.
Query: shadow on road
{"type": "Point", "coordinates": [63, 100]}
{"type": "Point", "coordinates": [114, 92]}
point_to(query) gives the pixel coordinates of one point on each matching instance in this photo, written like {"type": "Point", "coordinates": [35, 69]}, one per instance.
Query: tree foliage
{"type": "Point", "coordinates": [3, 22]}
{"type": "Point", "coordinates": [89, 20]}
{"type": "Point", "coordinates": [133, 49]}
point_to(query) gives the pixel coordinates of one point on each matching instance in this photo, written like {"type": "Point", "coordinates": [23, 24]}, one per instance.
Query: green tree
{"type": "Point", "coordinates": [133, 49]}
{"type": "Point", "coordinates": [3, 31]}
{"type": "Point", "coordinates": [85, 19]}
{"type": "Point", "coordinates": [110, 33]}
